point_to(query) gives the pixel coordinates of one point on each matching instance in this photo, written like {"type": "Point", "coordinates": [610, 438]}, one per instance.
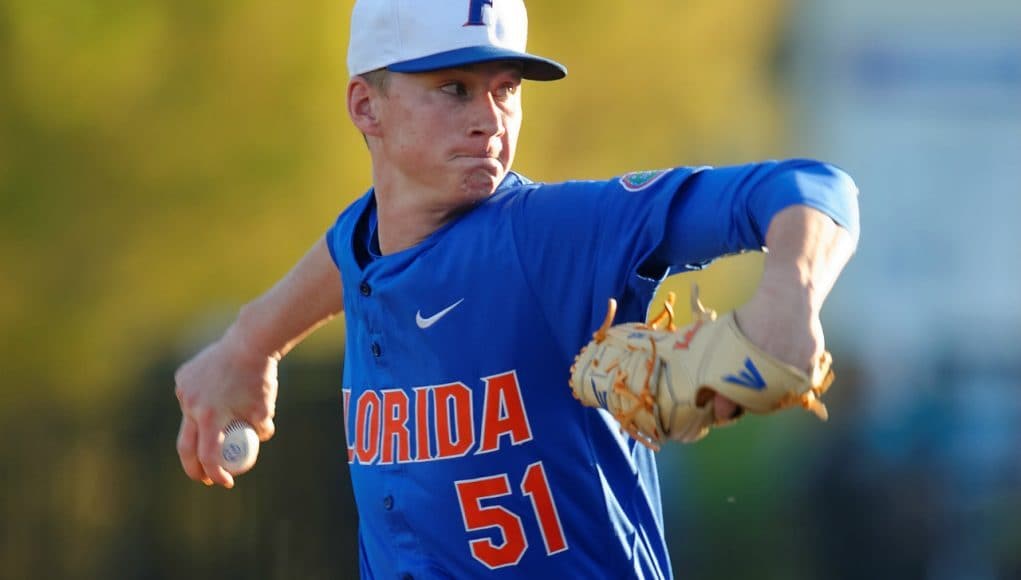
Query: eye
{"type": "Point", "coordinates": [455, 88]}
{"type": "Point", "coordinates": [507, 90]}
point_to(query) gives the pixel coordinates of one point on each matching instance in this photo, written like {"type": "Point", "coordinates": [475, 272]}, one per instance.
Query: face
{"type": "Point", "coordinates": [448, 134]}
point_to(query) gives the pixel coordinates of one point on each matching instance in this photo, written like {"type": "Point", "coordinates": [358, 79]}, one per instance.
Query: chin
{"type": "Point", "coordinates": [480, 184]}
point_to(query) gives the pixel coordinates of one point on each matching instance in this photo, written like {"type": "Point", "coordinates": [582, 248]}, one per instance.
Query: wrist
{"type": "Point", "coordinates": [784, 323]}
{"type": "Point", "coordinates": [247, 336]}
{"type": "Point", "coordinates": [807, 251]}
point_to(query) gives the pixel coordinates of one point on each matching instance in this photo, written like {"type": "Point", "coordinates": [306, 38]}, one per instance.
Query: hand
{"type": "Point", "coordinates": [224, 381]}
{"type": "Point", "coordinates": [725, 410]}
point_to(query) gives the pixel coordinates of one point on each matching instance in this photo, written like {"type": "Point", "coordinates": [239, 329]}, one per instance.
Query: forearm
{"type": "Point", "coordinates": [305, 299]}
{"type": "Point", "coordinates": [806, 253]}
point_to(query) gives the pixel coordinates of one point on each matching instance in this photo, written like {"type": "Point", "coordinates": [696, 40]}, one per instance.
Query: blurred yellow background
{"type": "Point", "coordinates": [163, 161]}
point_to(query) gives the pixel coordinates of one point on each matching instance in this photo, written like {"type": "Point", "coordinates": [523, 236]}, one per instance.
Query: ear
{"type": "Point", "coordinates": [361, 106]}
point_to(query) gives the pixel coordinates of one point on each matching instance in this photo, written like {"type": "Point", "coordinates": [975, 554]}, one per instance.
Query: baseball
{"type": "Point", "coordinates": [240, 447]}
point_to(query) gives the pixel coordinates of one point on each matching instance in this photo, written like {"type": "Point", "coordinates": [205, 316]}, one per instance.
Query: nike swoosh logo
{"type": "Point", "coordinates": [424, 323]}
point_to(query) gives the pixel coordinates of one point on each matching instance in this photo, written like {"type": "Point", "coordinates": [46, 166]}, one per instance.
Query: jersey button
{"type": "Point", "coordinates": [376, 351]}
{"type": "Point", "coordinates": [406, 576]}
{"type": "Point", "coordinates": [388, 502]}
{"type": "Point", "coordinates": [365, 289]}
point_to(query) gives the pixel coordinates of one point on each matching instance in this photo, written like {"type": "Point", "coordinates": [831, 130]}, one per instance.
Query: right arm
{"type": "Point", "coordinates": [236, 376]}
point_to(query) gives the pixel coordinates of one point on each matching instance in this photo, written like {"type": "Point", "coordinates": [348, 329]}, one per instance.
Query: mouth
{"type": "Point", "coordinates": [493, 156]}
{"type": "Point", "coordinates": [485, 159]}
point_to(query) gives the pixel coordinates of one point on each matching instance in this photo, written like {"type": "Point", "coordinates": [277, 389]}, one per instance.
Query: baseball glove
{"type": "Point", "coordinates": [659, 382]}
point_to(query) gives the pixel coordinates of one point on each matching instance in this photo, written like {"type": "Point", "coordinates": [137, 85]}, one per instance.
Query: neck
{"type": "Point", "coordinates": [400, 226]}
{"type": "Point", "coordinates": [409, 213]}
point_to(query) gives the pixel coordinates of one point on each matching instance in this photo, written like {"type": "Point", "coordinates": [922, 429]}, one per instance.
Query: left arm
{"type": "Point", "coordinates": [805, 214]}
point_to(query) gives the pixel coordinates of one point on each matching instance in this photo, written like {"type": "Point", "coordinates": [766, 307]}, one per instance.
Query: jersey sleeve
{"type": "Point", "coordinates": [583, 242]}
{"type": "Point", "coordinates": [726, 210]}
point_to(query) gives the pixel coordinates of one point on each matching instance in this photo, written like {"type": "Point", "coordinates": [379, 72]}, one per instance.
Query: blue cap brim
{"type": "Point", "coordinates": [535, 68]}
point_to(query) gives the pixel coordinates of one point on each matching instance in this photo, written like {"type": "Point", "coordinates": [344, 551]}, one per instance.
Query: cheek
{"type": "Point", "coordinates": [414, 139]}
{"type": "Point", "coordinates": [510, 138]}
{"type": "Point", "coordinates": [428, 133]}
{"type": "Point", "coordinates": [414, 145]}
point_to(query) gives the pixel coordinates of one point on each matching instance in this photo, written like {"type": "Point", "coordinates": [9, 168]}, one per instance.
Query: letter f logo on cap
{"type": "Point", "coordinates": [475, 12]}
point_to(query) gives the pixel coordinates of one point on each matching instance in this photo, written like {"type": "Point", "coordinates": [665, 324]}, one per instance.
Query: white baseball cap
{"type": "Point", "coordinates": [423, 35]}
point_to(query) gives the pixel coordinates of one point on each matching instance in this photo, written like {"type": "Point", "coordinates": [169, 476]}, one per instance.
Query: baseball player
{"type": "Point", "coordinates": [468, 290]}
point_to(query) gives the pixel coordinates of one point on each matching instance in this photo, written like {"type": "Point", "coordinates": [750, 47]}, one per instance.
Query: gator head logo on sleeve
{"type": "Point", "coordinates": [639, 180]}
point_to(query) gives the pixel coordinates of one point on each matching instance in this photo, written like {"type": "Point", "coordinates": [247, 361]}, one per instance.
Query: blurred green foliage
{"type": "Point", "coordinates": [163, 162]}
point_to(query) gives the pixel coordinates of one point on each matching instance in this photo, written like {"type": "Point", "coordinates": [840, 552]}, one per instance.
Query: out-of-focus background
{"type": "Point", "coordinates": [163, 162]}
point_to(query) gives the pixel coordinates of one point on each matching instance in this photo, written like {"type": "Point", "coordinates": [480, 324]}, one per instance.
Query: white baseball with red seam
{"type": "Point", "coordinates": [240, 447]}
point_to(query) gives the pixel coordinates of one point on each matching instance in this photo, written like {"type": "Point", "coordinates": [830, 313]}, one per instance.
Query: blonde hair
{"type": "Point", "coordinates": [378, 79]}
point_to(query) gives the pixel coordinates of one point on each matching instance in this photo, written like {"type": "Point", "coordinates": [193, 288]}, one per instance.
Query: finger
{"type": "Point", "coordinates": [725, 410]}
{"type": "Point", "coordinates": [265, 428]}
{"type": "Point", "coordinates": [187, 440]}
{"type": "Point", "coordinates": [263, 424]}
{"type": "Point", "coordinates": [210, 442]}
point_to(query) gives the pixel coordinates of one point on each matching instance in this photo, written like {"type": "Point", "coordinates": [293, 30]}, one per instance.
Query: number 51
{"type": "Point", "coordinates": [471, 492]}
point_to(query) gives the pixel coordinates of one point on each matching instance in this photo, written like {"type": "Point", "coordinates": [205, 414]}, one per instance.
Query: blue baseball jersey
{"type": "Point", "coordinates": [468, 454]}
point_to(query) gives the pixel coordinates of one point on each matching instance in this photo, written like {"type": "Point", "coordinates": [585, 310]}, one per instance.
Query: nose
{"type": "Point", "coordinates": [487, 117]}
